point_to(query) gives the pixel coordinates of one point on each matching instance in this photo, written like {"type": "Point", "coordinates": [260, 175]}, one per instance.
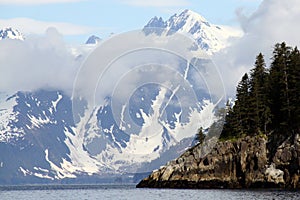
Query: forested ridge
{"type": "Point", "coordinates": [267, 99]}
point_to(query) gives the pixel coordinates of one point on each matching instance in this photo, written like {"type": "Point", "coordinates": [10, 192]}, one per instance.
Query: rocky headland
{"type": "Point", "coordinates": [240, 163]}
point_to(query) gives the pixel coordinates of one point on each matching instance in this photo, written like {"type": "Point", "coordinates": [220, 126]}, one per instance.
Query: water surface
{"type": "Point", "coordinates": [118, 192]}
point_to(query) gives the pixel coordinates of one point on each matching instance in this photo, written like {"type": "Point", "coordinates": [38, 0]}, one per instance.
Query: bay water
{"type": "Point", "coordinates": [120, 192]}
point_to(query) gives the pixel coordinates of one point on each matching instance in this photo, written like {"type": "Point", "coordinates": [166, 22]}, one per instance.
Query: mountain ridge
{"type": "Point", "coordinates": [211, 38]}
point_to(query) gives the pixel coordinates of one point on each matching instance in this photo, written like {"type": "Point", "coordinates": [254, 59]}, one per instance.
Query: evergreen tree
{"type": "Point", "coordinates": [294, 86]}
{"type": "Point", "coordinates": [237, 117]}
{"type": "Point", "coordinates": [278, 87]}
{"type": "Point", "coordinates": [230, 123]}
{"type": "Point", "coordinates": [268, 101]}
{"type": "Point", "coordinates": [200, 136]}
{"type": "Point", "coordinates": [241, 108]}
{"type": "Point", "coordinates": [230, 128]}
{"type": "Point", "coordinates": [259, 111]}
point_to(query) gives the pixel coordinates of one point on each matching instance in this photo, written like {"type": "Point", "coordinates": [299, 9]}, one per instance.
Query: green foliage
{"type": "Point", "coordinates": [259, 112]}
{"type": "Point", "coordinates": [279, 86]}
{"type": "Point", "coordinates": [267, 101]}
{"type": "Point", "coordinates": [200, 136]}
{"type": "Point", "coordinates": [294, 83]}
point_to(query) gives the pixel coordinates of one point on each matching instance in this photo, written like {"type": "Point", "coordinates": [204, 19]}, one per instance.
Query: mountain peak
{"type": "Point", "coordinates": [187, 21]}
{"type": "Point", "coordinates": [193, 15]}
{"type": "Point", "coordinates": [210, 38]}
{"type": "Point", "coordinates": [93, 40]}
{"type": "Point", "coordinates": [156, 22]}
{"type": "Point", "coordinates": [10, 33]}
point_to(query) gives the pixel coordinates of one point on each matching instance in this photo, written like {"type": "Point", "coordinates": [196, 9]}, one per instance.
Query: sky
{"type": "Point", "coordinates": [78, 19]}
{"type": "Point", "coordinates": [44, 60]}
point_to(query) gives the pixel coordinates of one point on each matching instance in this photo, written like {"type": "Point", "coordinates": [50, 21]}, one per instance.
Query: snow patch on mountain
{"type": "Point", "coordinates": [10, 33]}
{"type": "Point", "coordinates": [82, 161]}
{"type": "Point", "coordinates": [155, 137]}
{"type": "Point", "coordinates": [7, 115]}
{"type": "Point", "coordinates": [62, 171]}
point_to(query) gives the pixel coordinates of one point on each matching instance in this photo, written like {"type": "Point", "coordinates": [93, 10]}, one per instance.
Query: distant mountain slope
{"type": "Point", "coordinates": [37, 135]}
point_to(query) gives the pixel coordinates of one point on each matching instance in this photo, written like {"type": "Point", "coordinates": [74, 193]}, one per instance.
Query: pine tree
{"type": "Point", "coordinates": [230, 128]}
{"type": "Point", "coordinates": [241, 108]}
{"type": "Point", "coordinates": [294, 86]}
{"type": "Point", "coordinates": [278, 87]}
{"type": "Point", "coordinates": [268, 101]}
{"type": "Point", "coordinates": [259, 111]}
{"type": "Point", "coordinates": [200, 136]}
{"type": "Point", "coordinates": [237, 117]}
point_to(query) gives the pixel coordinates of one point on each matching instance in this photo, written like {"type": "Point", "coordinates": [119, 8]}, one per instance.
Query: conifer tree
{"type": "Point", "coordinates": [200, 136]}
{"type": "Point", "coordinates": [294, 84]}
{"type": "Point", "coordinates": [278, 87]}
{"type": "Point", "coordinates": [268, 101]}
{"type": "Point", "coordinates": [241, 108]}
{"type": "Point", "coordinates": [258, 111]}
{"type": "Point", "coordinates": [230, 128]}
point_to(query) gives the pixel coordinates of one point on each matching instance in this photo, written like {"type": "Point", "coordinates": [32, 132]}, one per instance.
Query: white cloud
{"type": "Point", "coordinates": [273, 22]}
{"type": "Point", "coordinates": [156, 3]}
{"type": "Point", "coordinates": [32, 2]}
{"type": "Point", "coordinates": [37, 62]}
{"type": "Point", "coordinates": [29, 26]}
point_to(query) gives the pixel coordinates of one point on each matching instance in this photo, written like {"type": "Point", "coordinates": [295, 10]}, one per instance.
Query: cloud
{"type": "Point", "coordinates": [273, 22]}
{"type": "Point", "coordinates": [32, 26]}
{"type": "Point", "coordinates": [32, 2]}
{"type": "Point", "coordinates": [156, 3]}
{"type": "Point", "coordinates": [38, 62]}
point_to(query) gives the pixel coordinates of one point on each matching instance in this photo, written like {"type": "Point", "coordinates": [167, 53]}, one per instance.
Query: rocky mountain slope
{"type": "Point", "coordinates": [244, 163]}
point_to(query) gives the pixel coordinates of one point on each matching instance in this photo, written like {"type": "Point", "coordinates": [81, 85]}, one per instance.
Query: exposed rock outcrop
{"type": "Point", "coordinates": [232, 164]}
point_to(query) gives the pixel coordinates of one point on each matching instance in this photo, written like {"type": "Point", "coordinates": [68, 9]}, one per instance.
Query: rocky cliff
{"type": "Point", "coordinates": [244, 163]}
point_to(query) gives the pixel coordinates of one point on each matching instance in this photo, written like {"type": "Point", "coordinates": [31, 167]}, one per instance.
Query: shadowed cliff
{"type": "Point", "coordinates": [243, 163]}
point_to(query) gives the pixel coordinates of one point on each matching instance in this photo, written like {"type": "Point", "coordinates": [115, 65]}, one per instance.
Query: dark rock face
{"type": "Point", "coordinates": [232, 164]}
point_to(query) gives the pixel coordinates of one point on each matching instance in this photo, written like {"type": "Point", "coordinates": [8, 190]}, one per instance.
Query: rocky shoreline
{"type": "Point", "coordinates": [241, 163]}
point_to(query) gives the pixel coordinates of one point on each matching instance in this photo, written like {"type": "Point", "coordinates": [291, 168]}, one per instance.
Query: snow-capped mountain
{"type": "Point", "coordinates": [43, 144]}
{"type": "Point", "coordinates": [10, 33]}
{"type": "Point", "coordinates": [93, 40]}
{"type": "Point", "coordinates": [210, 37]}
{"type": "Point", "coordinates": [43, 141]}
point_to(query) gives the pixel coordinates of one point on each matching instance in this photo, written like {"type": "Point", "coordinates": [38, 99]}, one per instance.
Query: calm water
{"type": "Point", "coordinates": [86, 192]}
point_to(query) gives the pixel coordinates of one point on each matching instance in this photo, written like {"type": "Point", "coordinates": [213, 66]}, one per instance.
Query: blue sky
{"type": "Point", "coordinates": [264, 23]}
{"type": "Point", "coordinates": [77, 19]}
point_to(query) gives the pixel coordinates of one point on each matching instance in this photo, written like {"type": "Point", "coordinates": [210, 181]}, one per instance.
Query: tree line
{"type": "Point", "coordinates": [268, 98]}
